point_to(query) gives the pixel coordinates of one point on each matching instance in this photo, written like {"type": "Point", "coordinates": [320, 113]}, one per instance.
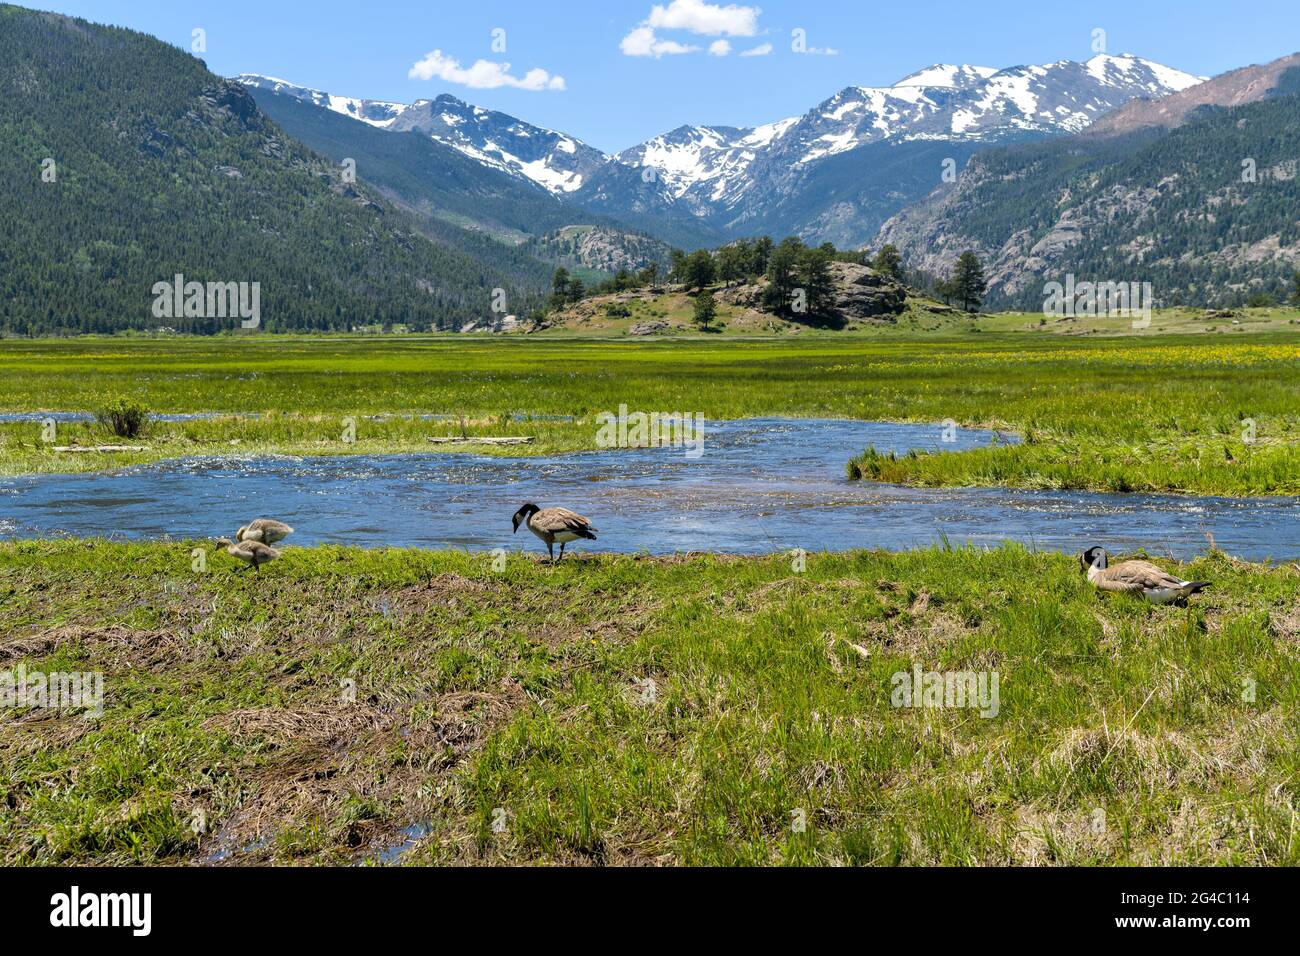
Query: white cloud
{"type": "Point", "coordinates": [483, 75]}
{"type": "Point", "coordinates": [643, 42]}
{"type": "Point", "coordinates": [762, 49]}
{"type": "Point", "coordinates": [706, 19]}
{"type": "Point", "coordinates": [691, 16]}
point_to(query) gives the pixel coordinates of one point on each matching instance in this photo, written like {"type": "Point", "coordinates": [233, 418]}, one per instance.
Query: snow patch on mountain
{"type": "Point", "coordinates": [1164, 80]}
{"type": "Point", "coordinates": [554, 161]}
{"type": "Point", "coordinates": [947, 76]}
{"type": "Point", "coordinates": [374, 112]}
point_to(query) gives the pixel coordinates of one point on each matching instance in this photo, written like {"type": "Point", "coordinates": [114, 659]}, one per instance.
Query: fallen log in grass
{"type": "Point", "coordinates": [83, 449]}
{"type": "Point", "coordinates": [519, 440]}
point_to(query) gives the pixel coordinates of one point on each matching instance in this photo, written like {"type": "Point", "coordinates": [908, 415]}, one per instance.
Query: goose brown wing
{"type": "Point", "coordinates": [556, 520]}
{"type": "Point", "coordinates": [1141, 576]}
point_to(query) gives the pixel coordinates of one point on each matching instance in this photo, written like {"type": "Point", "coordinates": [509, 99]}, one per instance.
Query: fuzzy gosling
{"type": "Point", "coordinates": [1140, 578]}
{"type": "Point", "coordinates": [252, 553]}
{"type": "Point", "coordinates": [265, 530]}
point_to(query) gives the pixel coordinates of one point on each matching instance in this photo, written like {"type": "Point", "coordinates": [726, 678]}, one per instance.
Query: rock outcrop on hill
{"type": "Point", "coordinates": [863, 293]}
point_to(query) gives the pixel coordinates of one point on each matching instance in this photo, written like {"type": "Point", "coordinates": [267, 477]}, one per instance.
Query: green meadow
{"type": "Point", "coordinates": [389, 706]}
{"type": "Point", "coordinates": [395, 706]}
{"type": "Point", "coordinates": [1214, 414]}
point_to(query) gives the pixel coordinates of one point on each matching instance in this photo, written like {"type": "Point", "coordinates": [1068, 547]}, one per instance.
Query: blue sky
{"type": "Point", "coordinates": [613, 98]}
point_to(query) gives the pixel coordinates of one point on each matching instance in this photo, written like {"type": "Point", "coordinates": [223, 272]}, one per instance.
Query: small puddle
{"type": "Point", "coordinates": [760, 486]}
{"type": "Point", "coordinates": [410, 836]}
{"type": "Point", "coordinates": [224, 852]}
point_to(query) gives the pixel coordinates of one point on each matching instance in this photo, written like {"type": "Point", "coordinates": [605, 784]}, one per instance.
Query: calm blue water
{"type": "Point", "coordinates": [762, 485]}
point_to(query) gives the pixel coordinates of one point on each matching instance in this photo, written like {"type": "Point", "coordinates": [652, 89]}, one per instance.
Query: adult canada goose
{"type": "Point", "coordinates": [554, 524]}
{"type": "Point", "coordinates": [1137, 577]}
{"type": "Point", "coordinates": [253, 553]}
{"type": "Point", "coordinates": [265, 530]}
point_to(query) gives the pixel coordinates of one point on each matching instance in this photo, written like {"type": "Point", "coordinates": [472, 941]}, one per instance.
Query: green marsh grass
{"type": "Point", "coordinates": [509, 713]}
{"type": "Point", "coordinates": [1155, 413]}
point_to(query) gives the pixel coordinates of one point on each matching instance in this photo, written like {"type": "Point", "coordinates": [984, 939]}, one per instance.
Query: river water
{"type": "Point", "coordinates": [760, 485]}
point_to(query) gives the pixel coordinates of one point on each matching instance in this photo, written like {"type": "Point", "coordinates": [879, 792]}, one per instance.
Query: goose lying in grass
{"type": "Point", "coordinates": [554, 524]}
{"type": "Point", "coordinates": [252, 553]}
{"type": "Point", "coordinates": [1138, 578]}
{"type": "Point", "coordinates": [265, 530]}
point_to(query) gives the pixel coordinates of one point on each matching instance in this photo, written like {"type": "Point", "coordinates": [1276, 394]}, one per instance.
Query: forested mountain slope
{"type": "Point", "coordinates": [126, 162]}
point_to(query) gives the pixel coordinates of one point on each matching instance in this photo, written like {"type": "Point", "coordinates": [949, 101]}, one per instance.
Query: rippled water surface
{"type": "Point", "coordinates": [762, 485]}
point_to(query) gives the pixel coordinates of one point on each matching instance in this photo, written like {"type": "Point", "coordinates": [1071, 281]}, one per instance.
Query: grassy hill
{"type": "Point", "coordinates": [863, 301]}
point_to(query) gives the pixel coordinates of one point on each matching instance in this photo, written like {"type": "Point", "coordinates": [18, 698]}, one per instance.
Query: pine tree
{"type": "Point", "coordinates": [888, 261]}
{"type": "Point", "coordinates": [677, 267]}
{"type": "Point", "coordinates": [705, 310]}
{"type": "Point", "coordinates": [733, 261]}
{"type": "Point", "coordinates": [969, 284]}
{"type": "Point", "coordinates": [816, 279]}
{"type": "Point", "coordinates": [782, 276]}
{"type": "Point", "coordinates": [699, 270]}
{"type": "Point", "coordinates": [760, 253]}
{"type": "Point", "coordinates": [137, 201]}
{"type": "Point", "coordinates": [559, 288]}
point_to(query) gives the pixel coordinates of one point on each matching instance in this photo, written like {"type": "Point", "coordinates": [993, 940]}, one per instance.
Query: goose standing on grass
{"type": "Point", "coordinates": [554, 524]}
{"type": "Point", "coordinates": [1137, 578]}
{"type": "Point", "coordinates": [252, 553]}
{"type": "Point", "coordinates": [265, 530]}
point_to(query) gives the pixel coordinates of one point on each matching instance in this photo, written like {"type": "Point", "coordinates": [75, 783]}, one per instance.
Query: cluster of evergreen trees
{"type": "Point", "coordinates": [567, 289]}
{"type": "Point", "coordinates": [799, 277]}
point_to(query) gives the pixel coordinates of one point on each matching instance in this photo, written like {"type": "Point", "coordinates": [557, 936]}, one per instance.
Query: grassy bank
{"type": "Point", "coordinates": [1163, 413]}
{"type": "Point", "coordinates": [616, 710]}
{"type": "Point", "coordinates": [275, 433]}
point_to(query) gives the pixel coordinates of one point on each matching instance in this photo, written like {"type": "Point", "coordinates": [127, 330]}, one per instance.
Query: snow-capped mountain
{"type": "Point", "coordinates": [713, 166]}
{"type": "Point", "coordinates": [733, 178]}
{"type": "Point", "coordinates": [559, 163]}
{"type": "Point", "coordinates": [705, 165]}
